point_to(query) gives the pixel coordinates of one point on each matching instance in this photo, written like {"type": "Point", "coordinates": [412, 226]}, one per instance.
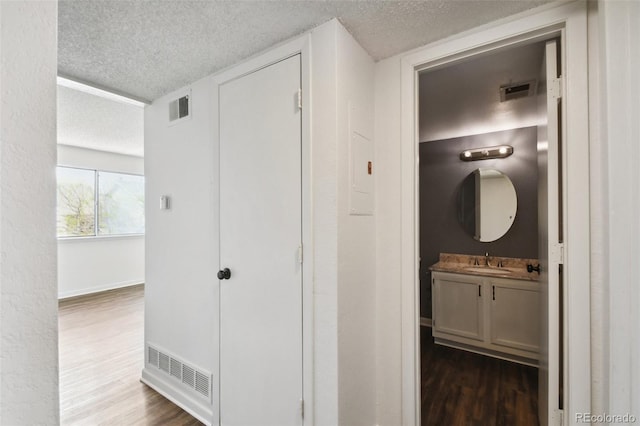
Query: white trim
{"type": "Point", "coordinates": [302, 46]}
{"type": "Point", "coordinates": [576, 200]}
{"type": "Point", "coordinates": [89, 238]}
{"type": "Point", "coordinates": [177, 396]}
{"type": "Point", "coordinates": [522, 28]}
{"type": "Point", "coordinates": [96, 90]}
{"type": "Point", "coordinates": [98, 289]}
{"type": "Point", "coordinates": [307, 237]}
{"type": "Point", "coordinates": [616, 296]}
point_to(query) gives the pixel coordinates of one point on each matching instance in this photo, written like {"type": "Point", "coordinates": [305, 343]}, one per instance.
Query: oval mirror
{"type": "Point", "coordinates": [487, 204]}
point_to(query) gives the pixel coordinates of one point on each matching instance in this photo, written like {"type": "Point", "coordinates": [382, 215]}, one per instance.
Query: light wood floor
{"type": "Point", "coordinates": [101, 359]}
{"type": "Point", "coordinates": [467, 389]}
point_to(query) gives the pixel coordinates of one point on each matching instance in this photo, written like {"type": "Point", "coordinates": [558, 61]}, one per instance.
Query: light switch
{"type": "Point", "coordinates": [164, 202]}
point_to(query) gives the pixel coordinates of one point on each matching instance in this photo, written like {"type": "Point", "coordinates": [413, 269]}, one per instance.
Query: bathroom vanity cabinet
{"type": "Point", "coordinates": [494, 316]}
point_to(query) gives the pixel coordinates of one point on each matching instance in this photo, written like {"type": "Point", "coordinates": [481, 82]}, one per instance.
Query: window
{"type": "Point", "coordinates": [76, 202]}
{"type": "Point", "coordinates": [120, 204]}
{"type": "Point", "coordinates": [97, 203]}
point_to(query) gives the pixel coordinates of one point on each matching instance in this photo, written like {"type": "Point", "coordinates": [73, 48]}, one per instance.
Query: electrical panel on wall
{"type": "Point", "coordinates": [361, 166]}
{"type": "Point", "coordinates": [180, 108]}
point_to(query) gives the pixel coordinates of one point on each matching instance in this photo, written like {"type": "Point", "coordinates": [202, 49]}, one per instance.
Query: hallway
{"type": "Point", "coordinates": [101, 357]}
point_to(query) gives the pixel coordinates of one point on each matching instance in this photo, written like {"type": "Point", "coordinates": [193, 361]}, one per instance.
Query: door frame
{"type": "Point", "coordinates": [570, 21]}
{"type": "Point", "coordinates": [283, 51]}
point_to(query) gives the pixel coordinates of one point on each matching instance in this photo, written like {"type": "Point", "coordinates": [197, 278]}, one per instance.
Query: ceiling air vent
{"type": "Point", "coordinates": [180, 108]}
{"type": "Point", "coordinates": [518, 90]}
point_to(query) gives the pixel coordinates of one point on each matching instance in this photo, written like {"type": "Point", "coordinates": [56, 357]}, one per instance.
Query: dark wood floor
{"type": "Point", "coordinates": [463, 388]}
{"type": "Point", "coordinates": [101, 358]}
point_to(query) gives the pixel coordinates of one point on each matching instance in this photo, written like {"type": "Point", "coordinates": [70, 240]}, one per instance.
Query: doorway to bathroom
{"type": "Point", "coordinates": [485, 181]}
{"type": "Point", "coordinates": [568, 24]}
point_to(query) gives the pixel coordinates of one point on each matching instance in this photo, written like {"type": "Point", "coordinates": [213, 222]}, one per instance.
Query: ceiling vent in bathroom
{"type": "Point", "coordinates": [180, 108]}
{"type": "Point", "coordinates": [513, 91]}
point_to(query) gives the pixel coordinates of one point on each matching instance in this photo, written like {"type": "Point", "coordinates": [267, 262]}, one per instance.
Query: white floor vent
{"type": "Point", "coordinates": [191, 377]}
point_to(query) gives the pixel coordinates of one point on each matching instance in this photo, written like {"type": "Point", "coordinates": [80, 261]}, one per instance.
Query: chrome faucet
{"type": "Point", "coordinates": [486, 259]}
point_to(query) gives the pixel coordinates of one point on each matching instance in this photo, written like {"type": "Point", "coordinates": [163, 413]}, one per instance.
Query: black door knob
{"type": "Point", "coordinates": [224, 274]}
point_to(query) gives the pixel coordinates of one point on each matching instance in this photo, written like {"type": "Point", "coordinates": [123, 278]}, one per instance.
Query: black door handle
{"type": "Point", "coordinates": [224, 274]}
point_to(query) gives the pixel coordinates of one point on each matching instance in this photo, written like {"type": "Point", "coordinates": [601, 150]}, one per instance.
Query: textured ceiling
{"type": "Point", "coordinates": [91, 121]}
{"type": "Point", "coordinates": [148, 48]}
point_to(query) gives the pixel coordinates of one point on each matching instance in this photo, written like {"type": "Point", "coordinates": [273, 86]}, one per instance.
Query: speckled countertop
{"type": "Point", "coordinates": [512, 267]}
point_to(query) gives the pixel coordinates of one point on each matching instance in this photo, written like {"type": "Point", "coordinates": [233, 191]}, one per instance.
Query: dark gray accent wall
{"type": "Point", "coordinates": [441, 174]}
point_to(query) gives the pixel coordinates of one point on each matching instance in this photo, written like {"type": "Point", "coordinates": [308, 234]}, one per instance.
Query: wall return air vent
{"type": "Point", "coordinates": [180, 108]}
{"type": "Point", "coordinates": [196, 379]}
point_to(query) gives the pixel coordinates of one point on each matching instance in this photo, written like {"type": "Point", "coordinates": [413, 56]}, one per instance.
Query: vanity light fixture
{"type": "Point", "coordinates": [501, 151]}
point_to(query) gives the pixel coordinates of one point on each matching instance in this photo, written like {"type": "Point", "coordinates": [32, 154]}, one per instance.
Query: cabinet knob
{"type": "Point", "coordinates": [531, 268]}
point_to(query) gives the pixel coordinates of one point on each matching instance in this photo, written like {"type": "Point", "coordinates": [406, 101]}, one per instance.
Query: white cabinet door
{"type": "Point", "coordinates": [515, 316]}
{"type": "Point", "coordinates": [457, 307]}
{"type": "Point", "coordinates": [260, 232]}
{"type": "Point", "coordinates": [495, 316]}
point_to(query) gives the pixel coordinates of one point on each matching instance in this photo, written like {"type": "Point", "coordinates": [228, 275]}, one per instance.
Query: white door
{"type": "Point", "coordinates": [260, 234]}
{"type": "Point", "coordinates": [549, 240]}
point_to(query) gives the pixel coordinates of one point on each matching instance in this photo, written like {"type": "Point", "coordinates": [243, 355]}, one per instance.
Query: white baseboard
{"type": "Point", "coordinates": [425, 322]}
{"type": "Point", "coordinates": [97, 289]}
{"type": "Point", "coordinates": [175, 395]}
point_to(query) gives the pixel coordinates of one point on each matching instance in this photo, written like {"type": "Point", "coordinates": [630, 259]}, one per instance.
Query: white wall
{"type": "Point", "coordinates": [324, 159]}
{"type": "Point", "coordinates": [28, 302]}
{"type": "Point", "coordinates": [356, 243]}
{"type": "Point", "coordinates": [388, 242]}
{"type": "Point", "coordinates": [91, 264]}
{"type": "Point", "coordinates": [182, 243]}
{"type": "Point", "coordinates": [181, 301]}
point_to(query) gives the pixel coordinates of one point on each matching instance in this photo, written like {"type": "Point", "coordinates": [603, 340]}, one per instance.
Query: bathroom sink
{"type": "Point", "coordinates": [488, 270]}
